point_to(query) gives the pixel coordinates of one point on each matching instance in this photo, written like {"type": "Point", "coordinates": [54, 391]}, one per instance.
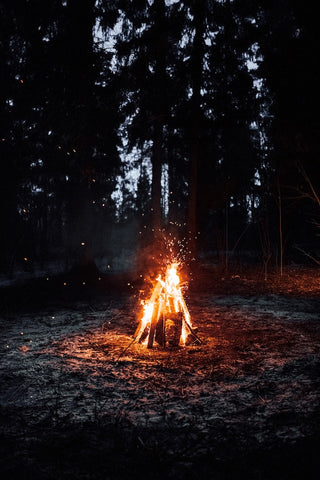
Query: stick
{"type": "Point", "coordinates": [160, 327]}
{"type": "Point", "coordinates": [156, 292]}
{"type": "Point", "coordinates": [186, 316]}
{"type": "Point", "coordinates": [154, 321]}
{"type": "Point", "coordinates": [193, 333]}
{"type": "Point", "coordinates": [124, 351]}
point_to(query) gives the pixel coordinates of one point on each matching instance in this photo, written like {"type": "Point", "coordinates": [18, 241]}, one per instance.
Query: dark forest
{"type": "Point", "coordinates": [189, 116]}
{"type": "Point", "coordinates": [135, 135]}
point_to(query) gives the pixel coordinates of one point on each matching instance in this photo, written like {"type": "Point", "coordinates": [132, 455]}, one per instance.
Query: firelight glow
{"type": "Point", "coordinates": [166, 299]}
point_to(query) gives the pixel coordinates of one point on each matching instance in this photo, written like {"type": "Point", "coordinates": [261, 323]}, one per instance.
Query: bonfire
{"type": "Point", "coordinates": [165, 317]}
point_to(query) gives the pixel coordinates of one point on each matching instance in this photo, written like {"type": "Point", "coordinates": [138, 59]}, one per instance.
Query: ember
{"type": "Point", "coordinates": [166, 318]}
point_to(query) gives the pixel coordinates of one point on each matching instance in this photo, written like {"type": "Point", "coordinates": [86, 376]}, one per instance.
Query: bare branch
{"type": "Point", "coordinates": [308, 255]}
{"type": "Point", "coordinates": [307, 179]}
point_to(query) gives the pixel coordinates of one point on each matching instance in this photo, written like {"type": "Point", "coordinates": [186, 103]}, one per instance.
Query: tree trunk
{"type": "Point", "coordinates": [81, 21]}
{"type": "Point", "coordinates": [280, 227]}
{"type": "Point", "coordinates": [192, 199]}
{"type": "Point", "coordinates": [196, 78]}
{"type": "Point", "coordinates": [156, 177]}
{"type": "Point", "coordinates": [159, 110]}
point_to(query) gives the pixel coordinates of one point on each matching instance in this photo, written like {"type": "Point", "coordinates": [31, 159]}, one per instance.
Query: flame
{"type": "Point", "coordinates": [166, 298]}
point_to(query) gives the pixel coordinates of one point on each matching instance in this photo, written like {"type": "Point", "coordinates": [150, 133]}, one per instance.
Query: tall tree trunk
{"type": "Point", "coordinates": [9, 221]}
{"type": "Point", "coordinates": [80, 95]}
{"type": "Point", "coordinates": [156, 176]}
{"type": "Point", "coordinates": [11, 163]}
{"type": "Point", "coordinates": [280, 226]}
{"type": "Point", "coordinates": [158, 109]}
{"type": "Point", "coordinates": [196, 78]}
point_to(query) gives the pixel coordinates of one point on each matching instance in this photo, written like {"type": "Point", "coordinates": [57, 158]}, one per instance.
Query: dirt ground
{"type": "Point", "coordinates": [244, 404]}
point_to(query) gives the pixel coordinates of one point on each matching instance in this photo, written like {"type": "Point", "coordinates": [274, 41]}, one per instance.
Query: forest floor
{"type": "Point", "coordinates": [243, 404]}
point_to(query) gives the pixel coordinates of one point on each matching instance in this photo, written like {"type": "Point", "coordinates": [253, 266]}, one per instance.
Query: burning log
{"type": "Point", "coordinates": [154, 323]}
{"type": "Point", "coordinates": [160, 335]}
{"type": "Point", "coordinates": [173, 329]}
{"type": "Point", "coordinates": [166, 318]}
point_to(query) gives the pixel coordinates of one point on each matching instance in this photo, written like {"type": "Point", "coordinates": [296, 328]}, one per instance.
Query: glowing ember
{"type": "Point", "coordinates": [166, 317]}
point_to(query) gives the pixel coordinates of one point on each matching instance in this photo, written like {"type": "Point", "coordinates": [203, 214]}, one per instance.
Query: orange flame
{"type": "Point", "coordinates": [166, 297]}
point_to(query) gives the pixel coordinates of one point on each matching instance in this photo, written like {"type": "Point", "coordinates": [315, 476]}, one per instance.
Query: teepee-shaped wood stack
{"type": "Point", "coordinates": [166, 318]}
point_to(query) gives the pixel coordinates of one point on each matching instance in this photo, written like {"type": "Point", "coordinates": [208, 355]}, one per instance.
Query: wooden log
{"type": "Point", "coordinates": [170, 303]}
{"type": "Point", "coordinates": [153, 325]}
{"type": "Point", "coordinates": [173, 329]}
{"type": "Point", "coordinates": [160, 327]}
{"type": "Point", "coordinates": [156, 292]}
{"type": "Point", "coordinates": [192, 331]}
{"type": "Point", "coordinates": [192, 337]}
{"type": "Point", "coordinates": [136, 333]}
{"type": "Point", "coordinates": [143, 331]}
{"type": "Point", "coordinates": [144, 334]}
{"type": "Point", "coordinates": [160, 331]}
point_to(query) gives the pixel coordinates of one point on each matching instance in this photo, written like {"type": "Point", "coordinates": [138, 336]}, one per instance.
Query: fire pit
{"type": "Point", "coordinates": [166, 318]}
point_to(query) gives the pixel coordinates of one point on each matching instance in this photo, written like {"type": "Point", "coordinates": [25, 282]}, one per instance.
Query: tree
{"type": "Point", "coordinates": [60, 115]}
{"type": "Point", "coordinates": [142, 56]}
{"type": "Point", "coordinates": [228, 111]}
{"type": "Point", "coordinates": [196, 74]}
{"type": "Point", "coordinates": [289, 46]}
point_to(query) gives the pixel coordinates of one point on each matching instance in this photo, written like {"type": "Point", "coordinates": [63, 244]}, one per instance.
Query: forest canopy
{"type": "Point", "coordinates": [137, 116]}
